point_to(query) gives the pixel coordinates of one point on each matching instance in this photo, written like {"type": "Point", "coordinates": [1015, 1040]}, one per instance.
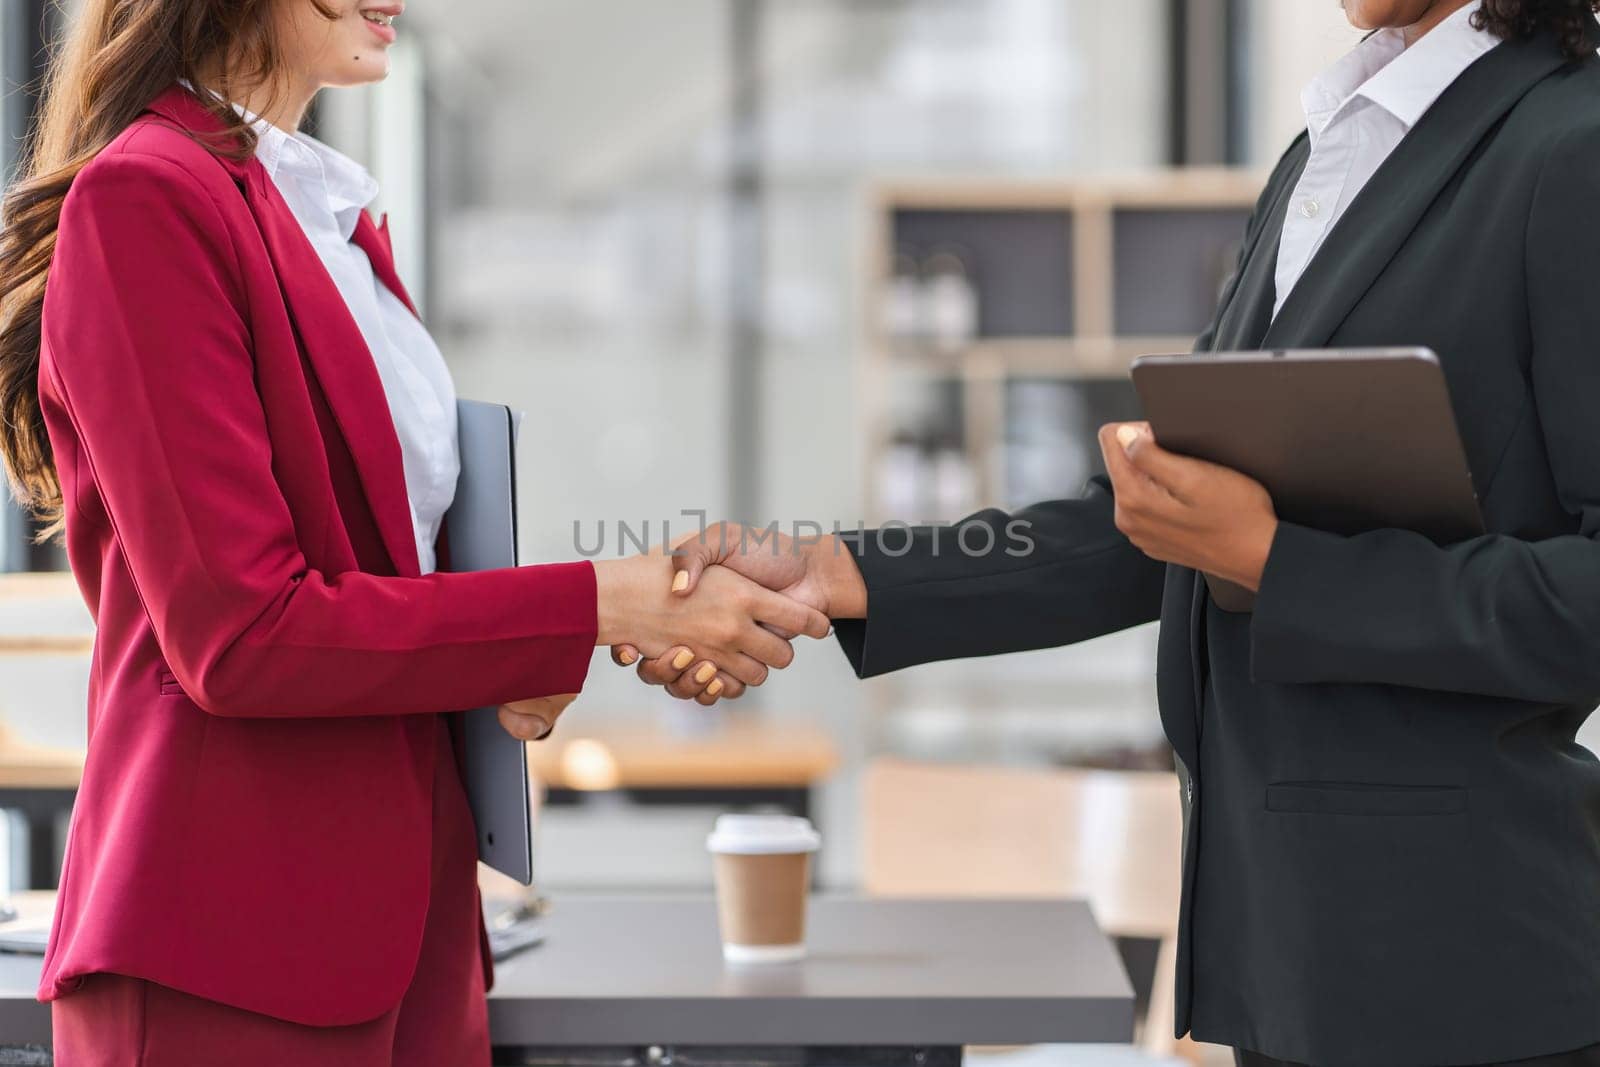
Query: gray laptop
{"type": "Point", "coordinates": [482, 532]}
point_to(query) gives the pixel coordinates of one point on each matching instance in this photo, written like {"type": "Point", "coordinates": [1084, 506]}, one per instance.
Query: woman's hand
{"type": "Point", "coordinates": [532, 720]}
{"type": "Point", "coordinates": [732, 623]}
{"type": "Point", "coordinates": [819, 572]}
{"type": "Point", "coordinates": [1187, 511]}
{"type": "Point", "coordinates": [684, 676]}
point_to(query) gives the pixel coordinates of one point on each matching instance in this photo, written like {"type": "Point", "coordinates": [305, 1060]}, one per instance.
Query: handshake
{"type": "Point", "coordinates": [712, 616]}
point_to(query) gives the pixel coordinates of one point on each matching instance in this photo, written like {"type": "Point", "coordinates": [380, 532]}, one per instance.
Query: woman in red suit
{"type": "Point", "coordinates": [213, 382]}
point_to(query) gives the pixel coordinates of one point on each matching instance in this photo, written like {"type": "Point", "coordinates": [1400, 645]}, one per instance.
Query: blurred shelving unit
{"type": "Point", "coordinates": [1001, 318]}
{"type": "Point", "coordinates": [990, 296]}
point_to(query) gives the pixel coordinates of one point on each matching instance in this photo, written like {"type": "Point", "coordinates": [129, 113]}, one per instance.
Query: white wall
{"type": "Point", "coordinates": [1293, 41]}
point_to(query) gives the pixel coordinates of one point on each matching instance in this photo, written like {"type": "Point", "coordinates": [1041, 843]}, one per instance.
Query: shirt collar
{"type": "Point", "coordinates": [1403, 81]}
{"type": "Point", "coordinates": [1409, 85]}
{"type": "Point", "coordinates": [333, 178]}
{"type": "Point", "coordinates": [342, 184]}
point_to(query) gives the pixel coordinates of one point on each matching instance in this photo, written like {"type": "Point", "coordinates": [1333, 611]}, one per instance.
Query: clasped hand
{"type": "Point", "coordinates": [731, 632]}
{"type": "Point", "coordinates": [818, 573]}
{"type": "Point", "coordinates": [726, 636]}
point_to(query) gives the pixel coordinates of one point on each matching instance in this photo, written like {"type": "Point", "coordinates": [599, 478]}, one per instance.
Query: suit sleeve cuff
{"type": "Point", "coordinates": [562, 649]}
{"type": "Point", "coordinates": [1299, 585]}
{"type": "Point", "coordinates": [870, 644]}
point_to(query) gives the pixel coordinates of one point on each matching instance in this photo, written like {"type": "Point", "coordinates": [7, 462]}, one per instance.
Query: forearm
{"type": "Point", "coordinates": [360, 644]}
{"type": "Point", "coordinates": [1051, 575]}
{"type": "Point", "coordinates": [1495, 616]}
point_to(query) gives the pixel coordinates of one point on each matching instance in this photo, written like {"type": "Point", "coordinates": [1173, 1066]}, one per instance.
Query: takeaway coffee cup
{"type": "Point", "coordinates": [763, 870]}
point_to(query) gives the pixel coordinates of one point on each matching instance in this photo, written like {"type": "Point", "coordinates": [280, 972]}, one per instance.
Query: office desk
{"type": "Point", "coordinates": [641, 980]}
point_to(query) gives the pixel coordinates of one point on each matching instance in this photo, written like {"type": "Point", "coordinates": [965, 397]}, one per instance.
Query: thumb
{"type": "Point", "coordinates": [690, 558]}
{"type": "Point", "coordinates": [523, 727]}
{"type": "Point", "coordinates": [693, 553]}
{"type": "Point", "coordinates": [817, 624]}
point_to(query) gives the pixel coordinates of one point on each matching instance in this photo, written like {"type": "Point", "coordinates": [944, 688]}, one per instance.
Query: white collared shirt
{"type": "Point", "coordinates": [1357, 112]}
{"type": "Point", "coordinates": [327, 192]}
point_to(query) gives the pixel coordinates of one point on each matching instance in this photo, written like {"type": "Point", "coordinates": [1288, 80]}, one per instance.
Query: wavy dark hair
{"type": "Point", "coordinates": [117, 56]}
{"type": "Point", "coordinates": [1569, 20]}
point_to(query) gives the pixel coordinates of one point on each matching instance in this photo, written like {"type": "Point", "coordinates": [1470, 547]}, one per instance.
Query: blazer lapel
{"type": "Point", "coordinates": [374, 241]}
{"type": "Point", "coordinates": [333, 344]}
{"type": "Point", "coordinates": [1384, 214]}
{"type": "Point", "coordinates": [1245, 320]}
{"type": "Point", "coordinates": [344, 367]}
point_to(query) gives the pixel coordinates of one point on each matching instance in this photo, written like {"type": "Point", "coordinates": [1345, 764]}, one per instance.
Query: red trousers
{"type": "Point", "coordinates": [117, 1021]}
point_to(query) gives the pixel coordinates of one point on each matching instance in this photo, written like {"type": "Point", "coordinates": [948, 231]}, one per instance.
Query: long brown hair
{"type": "Point", "coordinates": [117, 56]}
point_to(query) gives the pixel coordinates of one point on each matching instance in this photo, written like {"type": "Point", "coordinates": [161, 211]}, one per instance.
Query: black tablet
{"type": "Point", "coordinates": [1345, 440]}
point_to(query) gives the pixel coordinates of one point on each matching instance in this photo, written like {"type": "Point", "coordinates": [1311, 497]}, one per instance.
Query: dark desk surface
{"type": "Point", "coordinates": [621, 971]}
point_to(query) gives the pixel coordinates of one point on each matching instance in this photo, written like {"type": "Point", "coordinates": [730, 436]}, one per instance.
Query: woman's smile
{"type": "Point", "coordinates": [380, 19]}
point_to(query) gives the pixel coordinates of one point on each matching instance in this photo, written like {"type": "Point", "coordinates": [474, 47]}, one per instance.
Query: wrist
{"type": "Point", "coordinates": [622, 589]}
{"type": "Point", "coordinates": [1252, 562]}
{"type": "Point", "coordinates": [834, 563]}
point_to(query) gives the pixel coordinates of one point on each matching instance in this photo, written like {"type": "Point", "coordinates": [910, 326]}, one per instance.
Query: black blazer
{"type": "Point", "coordinates": [1392, 841]}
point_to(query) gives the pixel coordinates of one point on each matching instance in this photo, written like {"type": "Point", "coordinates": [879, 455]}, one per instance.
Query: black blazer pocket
{"type": "Point", "coordinates": [169, 683]}
{"type": "Point", "coordinates": [1356, 798]}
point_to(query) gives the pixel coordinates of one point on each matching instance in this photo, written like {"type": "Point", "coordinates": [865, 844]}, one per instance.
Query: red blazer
{"type": "Point", "coordinates": [254, 821]}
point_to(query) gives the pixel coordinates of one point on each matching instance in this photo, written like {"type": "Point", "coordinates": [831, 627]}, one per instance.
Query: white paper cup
{"type": "Point", "coordinates": [763, 867]}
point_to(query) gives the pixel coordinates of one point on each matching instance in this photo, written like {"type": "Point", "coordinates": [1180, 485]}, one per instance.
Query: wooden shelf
{"type": "Point", "coordinates": [37, 585]}
{"type": "Point", "coordinates": [1181, 188]}
{"type": "Point", "coordinates": [742, 754]}
{"type": "Point", "coordinates": [28, 766]}
{"type": "Point", "coordinates": [28, 597]}
{"type": "Point", "coordinates": [1068, 358]}
{"type": "Point", "coordinates": [644, 755]}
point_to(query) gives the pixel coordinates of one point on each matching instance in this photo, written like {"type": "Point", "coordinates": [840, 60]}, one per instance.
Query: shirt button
{"type": "Point", "coordinates": [1310, 208]}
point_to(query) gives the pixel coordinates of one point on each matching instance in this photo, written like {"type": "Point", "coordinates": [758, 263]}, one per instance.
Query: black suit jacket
{"type": "Point", "coordinates": [1392, 841]}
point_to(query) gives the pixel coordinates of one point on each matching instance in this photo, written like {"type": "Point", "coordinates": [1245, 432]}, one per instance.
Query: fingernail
{"type": "Point", "coordinates": [703, 675]}
{"type": "Point", "coordinates": [1127, 435]}
{"type": "Point", "coordinates": [628, 658]}
{"type": "Point", "coordinates": [682, 659]}
{"type": "Point", "coordinates": [714, 688]}
{"type": "Point", "coordinates": [680, 581]}
{"type": "Point", "coordinates": [542, 734]}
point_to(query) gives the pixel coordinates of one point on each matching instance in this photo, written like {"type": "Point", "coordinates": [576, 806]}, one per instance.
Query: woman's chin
{"type": "Point", "coordinates": [364, 69]}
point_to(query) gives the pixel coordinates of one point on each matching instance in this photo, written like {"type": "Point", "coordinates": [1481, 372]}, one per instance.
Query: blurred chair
{"type": "Point", "coordinates": [1113, 838]}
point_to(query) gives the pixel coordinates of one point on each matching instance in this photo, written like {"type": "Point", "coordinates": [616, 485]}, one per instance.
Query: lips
{"type": "Point", "coordinates": [380, 17]}
{"type": "Point", "coordinates": [382, 14]}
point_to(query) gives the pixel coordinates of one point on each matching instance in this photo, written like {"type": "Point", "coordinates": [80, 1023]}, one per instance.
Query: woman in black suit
{"type": "Point", "coordinates": [1392, 839]}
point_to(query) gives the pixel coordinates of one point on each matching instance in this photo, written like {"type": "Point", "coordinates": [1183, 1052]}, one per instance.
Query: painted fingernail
{"type": "Point", "coordinates": [682, 659]}
{"type": "Point", "coordinates": [704, 674]}
{"type": "Point", "coordinates": [628, 658]}
{"type": "Point", "coordinates": [714, 688]}
{"type": "Point", "coordinates": [680, 581]}
{"type": "Point", "coordinates": [1127, 435]}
